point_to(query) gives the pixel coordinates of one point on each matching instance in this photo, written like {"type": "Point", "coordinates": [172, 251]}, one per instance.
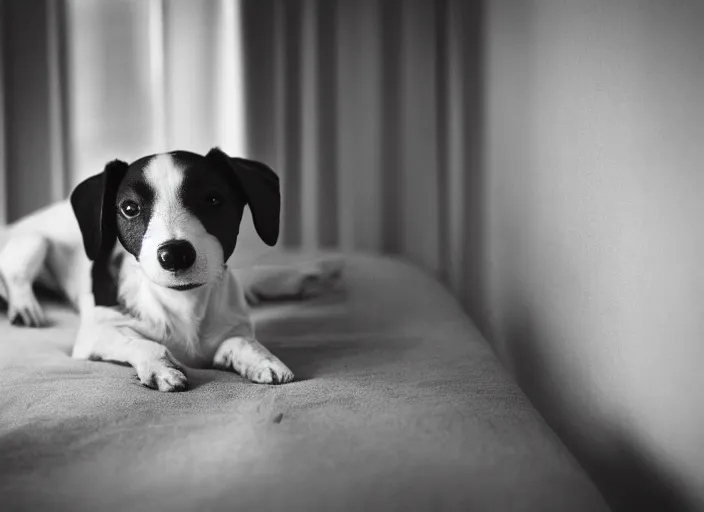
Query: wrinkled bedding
{"type": "Point", "coordinates": [398, 405]}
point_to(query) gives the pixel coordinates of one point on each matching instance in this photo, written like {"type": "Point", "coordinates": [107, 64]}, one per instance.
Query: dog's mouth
{"type": "Point", "coordinates": [184, 287]}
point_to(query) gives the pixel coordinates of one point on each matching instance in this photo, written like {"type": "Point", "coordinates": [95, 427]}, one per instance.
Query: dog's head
{"type": "Point", "coordinates": [177, 213]}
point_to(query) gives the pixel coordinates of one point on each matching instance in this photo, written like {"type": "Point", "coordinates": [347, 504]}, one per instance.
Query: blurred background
{"type": "Point", "coordinates": [543, 159]}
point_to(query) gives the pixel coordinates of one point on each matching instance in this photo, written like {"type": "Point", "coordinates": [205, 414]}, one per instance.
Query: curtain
{"type": "Point", "coordinates": [87, 81]}
{"type": "Point", "coordinates": [368, 109]}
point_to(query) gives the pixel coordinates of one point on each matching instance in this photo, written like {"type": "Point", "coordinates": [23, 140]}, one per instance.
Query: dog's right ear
{"type": "Point", "coordinates": [93, 202]}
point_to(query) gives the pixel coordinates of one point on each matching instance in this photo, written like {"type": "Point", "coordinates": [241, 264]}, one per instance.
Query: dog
{"type": "Point", "coordinates": [140, 251]}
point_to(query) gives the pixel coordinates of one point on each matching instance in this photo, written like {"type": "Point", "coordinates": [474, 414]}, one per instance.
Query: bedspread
{"type": "Point", "coordinates": [398, 405]}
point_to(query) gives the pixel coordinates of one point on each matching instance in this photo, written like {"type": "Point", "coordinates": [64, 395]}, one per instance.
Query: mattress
{"type": "Point", "coordinates": [398, 404]}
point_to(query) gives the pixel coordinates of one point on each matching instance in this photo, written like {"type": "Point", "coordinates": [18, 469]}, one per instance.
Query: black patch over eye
{"type": "Point", "coordinates": [207, 193]}
{"type": "Point", "coordinates": [129, 209]}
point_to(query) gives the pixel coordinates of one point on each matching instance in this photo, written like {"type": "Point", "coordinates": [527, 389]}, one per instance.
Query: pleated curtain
{"type": "Point", "coordinates": [368, 109]}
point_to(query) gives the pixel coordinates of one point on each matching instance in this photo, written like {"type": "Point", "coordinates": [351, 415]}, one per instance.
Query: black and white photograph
{"type": "Point", "coordinates": [351, 255]}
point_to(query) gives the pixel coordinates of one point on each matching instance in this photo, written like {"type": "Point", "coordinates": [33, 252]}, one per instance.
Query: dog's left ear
{"type": "Point", "coordinates": [93, 202]}
{"type": "Point", "coordinates": [261, 187]}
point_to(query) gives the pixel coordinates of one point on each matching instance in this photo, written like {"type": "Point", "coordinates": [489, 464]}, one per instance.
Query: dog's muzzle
{"type": "Point", "coordinates": [176, 255]}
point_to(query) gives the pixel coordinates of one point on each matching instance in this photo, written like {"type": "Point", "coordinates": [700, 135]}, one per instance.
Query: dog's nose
{"type": "Point", "coordinates": [176, 255]}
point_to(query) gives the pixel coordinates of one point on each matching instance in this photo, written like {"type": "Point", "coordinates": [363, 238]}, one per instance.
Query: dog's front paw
{"type": "Point", "coordinates": [169, 379]}
{"type": "Point", "coordinates": [270, 371]}
{"type": "Point", "coordinates": [251, 360]}
{"type": "Point", "coordinates": [164, 374]}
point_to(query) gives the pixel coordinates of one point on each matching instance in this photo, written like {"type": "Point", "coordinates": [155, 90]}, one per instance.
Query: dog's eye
{"type": "Point", "coordinates": [214, 200]}
{"type": "Point", "coordinates": [130, 209]}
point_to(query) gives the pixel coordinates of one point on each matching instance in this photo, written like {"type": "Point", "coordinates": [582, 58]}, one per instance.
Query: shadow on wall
{"type": "Point", "coordinates": [627, 477]}
{"type": "Point", "coordinates": [591, 183]}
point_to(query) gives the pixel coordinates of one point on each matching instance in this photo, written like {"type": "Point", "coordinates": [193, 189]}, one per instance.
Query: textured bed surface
{"type": "Point", "coordinates": [398, 404]}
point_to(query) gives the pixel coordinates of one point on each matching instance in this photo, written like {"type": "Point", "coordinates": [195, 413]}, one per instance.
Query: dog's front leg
{"type": "Point", "coordinates": [111, 336]}
{"type": "Point", "coordinates": [246, 356]}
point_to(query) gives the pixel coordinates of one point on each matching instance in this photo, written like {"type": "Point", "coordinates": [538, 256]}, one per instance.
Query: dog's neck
{"type": "Point", "coordinates": [175, 317]}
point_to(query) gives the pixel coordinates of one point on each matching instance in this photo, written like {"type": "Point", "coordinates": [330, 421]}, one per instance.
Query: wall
{"type": "Point", "coordinates": [591, 242]}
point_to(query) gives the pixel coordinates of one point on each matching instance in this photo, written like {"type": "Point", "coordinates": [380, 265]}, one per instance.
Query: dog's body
{"type": "Point", "coordinates": [140, 252]}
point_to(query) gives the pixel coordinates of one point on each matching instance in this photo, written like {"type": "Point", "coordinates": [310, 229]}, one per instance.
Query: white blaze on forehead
{"type": "Point", "coordinates": [169, 218]}
{"type": "Point", "coordinates": [165, 177]}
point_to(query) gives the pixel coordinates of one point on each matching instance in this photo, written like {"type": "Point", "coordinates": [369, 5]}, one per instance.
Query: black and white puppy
{"type": "Point", "coordinates": [141, 253]}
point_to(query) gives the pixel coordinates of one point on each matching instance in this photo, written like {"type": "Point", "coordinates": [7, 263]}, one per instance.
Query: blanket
{"type": "Point", "coordinates": [398, 404]}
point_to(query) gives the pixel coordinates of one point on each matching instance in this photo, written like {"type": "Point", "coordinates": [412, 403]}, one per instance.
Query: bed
{"type": "Point", "coordinates": [398, 405]}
